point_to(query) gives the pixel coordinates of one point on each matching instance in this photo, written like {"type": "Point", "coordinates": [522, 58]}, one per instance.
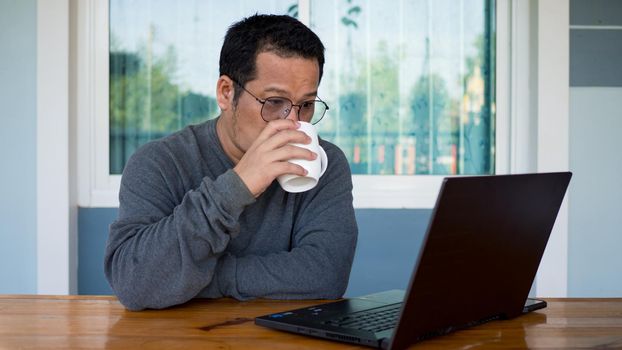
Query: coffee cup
{"type": "Point", "coordinates": [315, 168]}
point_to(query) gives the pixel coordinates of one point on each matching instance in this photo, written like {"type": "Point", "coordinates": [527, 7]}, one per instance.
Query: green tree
{"type": "Point", "coordinates": [429, 108]}
{"type": "Point", "coordinates": [145, 102]}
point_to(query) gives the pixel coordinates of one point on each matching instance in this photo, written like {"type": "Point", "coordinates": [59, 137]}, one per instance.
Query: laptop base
{"type": "Point", "coordinates": [312, 320]}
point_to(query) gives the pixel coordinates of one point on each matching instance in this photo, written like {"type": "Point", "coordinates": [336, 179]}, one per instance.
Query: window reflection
{"type": "Point", "coordinates": [164, 65]}
{"type": "Point", "coordinates": [410, 83]}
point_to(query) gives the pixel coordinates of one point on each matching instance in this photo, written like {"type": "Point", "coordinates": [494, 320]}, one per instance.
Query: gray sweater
{"type": "Point", "coordinates": [188, 227]}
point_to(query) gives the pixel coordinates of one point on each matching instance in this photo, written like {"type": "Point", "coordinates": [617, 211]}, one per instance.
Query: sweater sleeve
{"type": "Point", "coordinates": [160, 251]}
{"type": "Point", "coordinates": [323, 243]}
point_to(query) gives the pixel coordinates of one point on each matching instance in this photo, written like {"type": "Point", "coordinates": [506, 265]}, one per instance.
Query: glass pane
{"type": "Point", "coordinates": [164, 65]}
{"type": "Point", "coordinates": [410, 84]}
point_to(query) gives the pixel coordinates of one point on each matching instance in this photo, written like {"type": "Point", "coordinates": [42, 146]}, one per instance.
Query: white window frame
{"type": "Point", "coordinates": [97, 188]}
{"type": "Point", "coordinates": [56, 203]}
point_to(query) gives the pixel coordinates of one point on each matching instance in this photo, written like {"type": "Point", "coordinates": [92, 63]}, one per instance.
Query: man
{"type": "Point", "coordinates": [201, 214]}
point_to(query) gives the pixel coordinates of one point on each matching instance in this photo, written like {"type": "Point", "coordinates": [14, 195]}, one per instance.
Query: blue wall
{"type": "Point", "coordinates": [595, 223]}
{"type": "Point", "coordinates": [389, 241]}
{"type": "Point", "coordinates": [18, 142]}
{"type": "Point", "coordinates": [92, 235]}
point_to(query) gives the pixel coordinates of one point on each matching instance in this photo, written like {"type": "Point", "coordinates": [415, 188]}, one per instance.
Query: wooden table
{"type": "Point", "coordinates": [79, 322]}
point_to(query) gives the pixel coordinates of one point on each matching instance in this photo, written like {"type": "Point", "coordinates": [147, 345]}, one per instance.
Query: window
{"type": "Point", "coordinates": [411, 86]}
{"type": "Point", "coordinates": [410, 83]}
{"type": "Point", "coordinates": [164, 66]}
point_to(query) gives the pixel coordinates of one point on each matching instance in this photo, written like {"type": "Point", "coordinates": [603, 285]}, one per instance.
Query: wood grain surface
{"type": "Point", "coordinates": [101, 322]}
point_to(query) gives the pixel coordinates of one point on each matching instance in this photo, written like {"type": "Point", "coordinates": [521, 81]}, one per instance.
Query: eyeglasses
{"type": "Point", "coordinates": [276, 107]}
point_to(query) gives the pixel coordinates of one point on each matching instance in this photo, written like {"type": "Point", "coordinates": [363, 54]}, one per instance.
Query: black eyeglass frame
{"type": "Point", "coordinates": [263, 104]}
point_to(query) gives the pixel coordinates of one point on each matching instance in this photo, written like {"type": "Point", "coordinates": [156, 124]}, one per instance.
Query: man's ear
{"type": "Point", "coordinates": [225, 92]}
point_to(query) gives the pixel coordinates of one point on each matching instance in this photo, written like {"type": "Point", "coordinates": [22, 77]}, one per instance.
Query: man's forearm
{"type": "Point", "coordinates": [317, 266]}
{"type": "Point", "coordinates": [303, 273]}
{"type": "Point", "coordinates": [156, 262]}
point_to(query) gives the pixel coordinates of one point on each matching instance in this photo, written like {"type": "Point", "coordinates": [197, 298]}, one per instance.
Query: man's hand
{"type": "Point", "coordinates": [267, 158]}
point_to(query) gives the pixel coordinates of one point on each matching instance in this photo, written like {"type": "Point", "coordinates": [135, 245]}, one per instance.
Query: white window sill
{"type": "Point", "coordinates": [370, 191]}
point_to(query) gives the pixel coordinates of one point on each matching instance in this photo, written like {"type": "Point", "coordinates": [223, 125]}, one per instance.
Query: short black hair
{"type": "Point", "coordinates": [281, 34]}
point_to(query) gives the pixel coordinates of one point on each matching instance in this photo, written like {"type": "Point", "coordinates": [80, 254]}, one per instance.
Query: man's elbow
{"type": "Point", "coordinates": [335, 285]}
{"type": "Point", "coordinates": [130, 297]}
{"type": "Point", "coordinates": [130, 292]}
{"type": "Point", "coordinates": [130, 303]}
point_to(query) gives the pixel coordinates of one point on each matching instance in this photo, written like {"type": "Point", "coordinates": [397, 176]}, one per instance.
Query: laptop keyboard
{"type": "Point", "coordinates": [375, 320]}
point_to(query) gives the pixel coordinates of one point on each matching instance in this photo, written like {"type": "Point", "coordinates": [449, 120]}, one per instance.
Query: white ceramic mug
{"type": "Point", "coordinates": [315, 168]}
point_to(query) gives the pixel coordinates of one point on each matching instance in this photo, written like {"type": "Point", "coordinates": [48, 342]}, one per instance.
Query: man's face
{"type": "Point", "coordinates": [295, 78]}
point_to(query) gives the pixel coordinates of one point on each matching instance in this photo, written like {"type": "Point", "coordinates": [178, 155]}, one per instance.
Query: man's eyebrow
{"type": "Point", "coordinates": [283, 92]}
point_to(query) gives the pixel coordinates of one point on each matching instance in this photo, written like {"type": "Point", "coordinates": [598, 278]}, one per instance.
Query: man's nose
{"type": "Point", "coordinates": [293, 114]}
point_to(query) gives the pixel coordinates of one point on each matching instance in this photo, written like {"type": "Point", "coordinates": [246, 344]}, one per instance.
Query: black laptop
{"type": "Point", "coordinates": [479, 257]}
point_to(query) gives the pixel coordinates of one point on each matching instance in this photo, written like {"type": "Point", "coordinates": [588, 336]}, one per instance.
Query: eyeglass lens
{"type": "Point", "coordinates": [279, 108]}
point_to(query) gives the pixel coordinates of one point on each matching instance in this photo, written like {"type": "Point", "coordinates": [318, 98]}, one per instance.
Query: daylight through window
{"type": "Point", "coordinates": [410, 84]}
